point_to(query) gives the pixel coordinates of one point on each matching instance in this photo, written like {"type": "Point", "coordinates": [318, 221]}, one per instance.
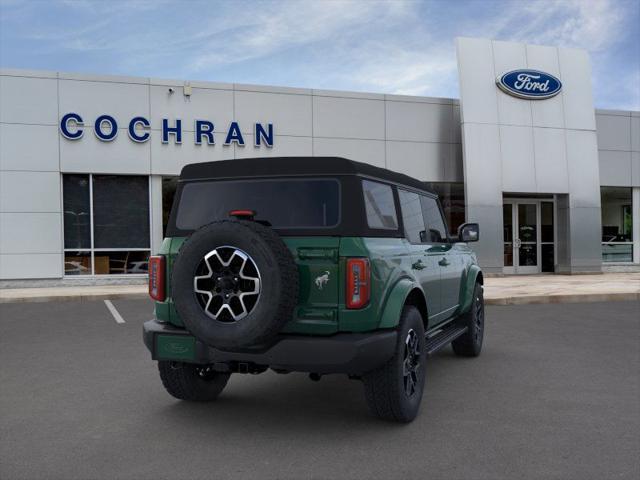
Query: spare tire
{"type": "Point", "coordinates": [234, 284]}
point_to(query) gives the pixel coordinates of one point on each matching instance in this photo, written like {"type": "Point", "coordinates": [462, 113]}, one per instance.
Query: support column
{"type": "Point", "coordinates": [563, 239]}
{"type": "Point", "coordinates": [155, 214]}
{"type": "Point", "coordinates": [579, 238]}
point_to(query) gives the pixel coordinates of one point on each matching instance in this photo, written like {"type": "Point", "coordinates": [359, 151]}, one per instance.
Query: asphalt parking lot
{"type": "Point", "coordinates": [555, 394]}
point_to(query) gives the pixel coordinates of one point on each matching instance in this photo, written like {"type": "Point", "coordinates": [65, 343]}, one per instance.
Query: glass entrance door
{"type": "Point", "coordinates": [528, 236]}
{"type": "Point", "coordinates": [526, 240]}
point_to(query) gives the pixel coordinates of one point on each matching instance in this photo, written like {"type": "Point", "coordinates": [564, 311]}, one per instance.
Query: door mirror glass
{"type": "Point", "coordinates": [469, 232]}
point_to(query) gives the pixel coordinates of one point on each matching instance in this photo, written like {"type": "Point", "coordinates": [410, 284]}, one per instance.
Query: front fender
{"type": "Point", "coordinates": [469, 283]}
{"type": "Point", "coordinates": [395, 302]}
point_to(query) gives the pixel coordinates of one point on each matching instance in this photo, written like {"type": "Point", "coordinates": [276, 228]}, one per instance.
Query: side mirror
{"type": "Point", "coordinates": [469, 232]}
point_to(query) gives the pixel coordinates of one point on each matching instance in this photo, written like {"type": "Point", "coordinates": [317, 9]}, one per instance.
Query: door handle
{"type": "Point", "coordinates": [444, 262]}
{"type": "Point", "coordinates": [418, 265]}
{"type": "Point", "coordinates": [518, 243]}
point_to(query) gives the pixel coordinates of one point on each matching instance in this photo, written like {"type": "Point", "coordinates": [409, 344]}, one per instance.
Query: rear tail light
{"type": "Point", "coordinates": [358, 286]}
{"type": "Point", "coordinates": [156, 277]}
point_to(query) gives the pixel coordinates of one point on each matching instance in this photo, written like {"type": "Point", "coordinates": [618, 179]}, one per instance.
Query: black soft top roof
{"type": "Point", "coordinates": [293, 166]}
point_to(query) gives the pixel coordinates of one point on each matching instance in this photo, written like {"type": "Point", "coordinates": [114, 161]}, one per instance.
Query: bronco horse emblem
{"type": "Point", "coordinates": [322, 280]}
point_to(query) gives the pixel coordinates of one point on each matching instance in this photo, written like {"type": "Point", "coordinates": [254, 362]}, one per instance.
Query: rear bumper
{"type": "Point", "coordinates": [350, 353]}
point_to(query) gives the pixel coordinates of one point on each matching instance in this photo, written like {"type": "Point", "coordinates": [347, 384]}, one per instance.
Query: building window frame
{"type": "Point", "coordinates": [92, 250]}
{"type": "Point", "coordinates": [635, 229]}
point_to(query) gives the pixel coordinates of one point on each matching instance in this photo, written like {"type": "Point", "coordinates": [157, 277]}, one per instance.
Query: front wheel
{"type": "Point", "coordinates": [394, 391]}
{"type": "Point", "coordinates": [470, 344]}
{"type": "Point", "coordinates": [186, 381]}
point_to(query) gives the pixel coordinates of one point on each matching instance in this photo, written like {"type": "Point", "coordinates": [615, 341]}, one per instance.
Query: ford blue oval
{"type": "Point", "coordinates": [529, 84]}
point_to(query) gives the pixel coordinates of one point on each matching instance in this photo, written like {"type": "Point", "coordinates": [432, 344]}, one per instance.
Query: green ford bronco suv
{"type": "Point", "coordinates": [319, 265]}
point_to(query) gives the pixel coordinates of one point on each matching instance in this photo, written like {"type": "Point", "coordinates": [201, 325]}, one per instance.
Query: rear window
{"type": "Point", "coordinates": [379, 204]}
{"type": "Point", "coordinates": [284, 203]}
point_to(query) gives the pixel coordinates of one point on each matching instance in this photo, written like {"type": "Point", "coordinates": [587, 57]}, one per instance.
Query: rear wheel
{"type": "Point", "coordinates": [186, 381]}
{"type": "Point", "coordinates": [394, 391]}
{"type": "Point", "coordinates": [470, 344]}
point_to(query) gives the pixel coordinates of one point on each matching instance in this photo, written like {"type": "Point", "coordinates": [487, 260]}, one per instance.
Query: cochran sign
{"type": "Point", "coordinates": [105, 128]}
{"type": "Point", "coordinates": [529, 84]}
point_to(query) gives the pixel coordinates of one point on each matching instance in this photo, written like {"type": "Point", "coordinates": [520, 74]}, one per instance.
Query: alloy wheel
{"type": "Point", "coordinates": [479, 318]}
{"type": "Point", "coordinates": [227, 284]}
{"type": "Point", "coordinates": [411, 362]}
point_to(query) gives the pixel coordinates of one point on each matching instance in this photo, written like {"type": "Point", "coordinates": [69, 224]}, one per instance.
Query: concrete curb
{"type": "Point", "coordinates": [564, 298]}
{"type": "Point", "coordinates": [73, 298]}
{"type": "Point", "coordinates": [499, 301]}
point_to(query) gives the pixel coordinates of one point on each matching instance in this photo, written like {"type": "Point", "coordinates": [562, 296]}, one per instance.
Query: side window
{"type": "Point", "coordinates": [379, 204]}
{"type": "Point", "coordinates": [412, 216]}
{"type": "Point", "coordinates": [436, 232]}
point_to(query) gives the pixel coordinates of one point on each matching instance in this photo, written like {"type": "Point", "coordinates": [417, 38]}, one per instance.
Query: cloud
{"type": "Point", "coordinates": [590, 24]}
{"type": "Point", "coordinates": [396, 69]}
{"type": "Point", "coordinates": [290, 25]}
{"type": "Point", "coordinates": [402, 47]}
{"type": "Point", "coordinates": [375, 46]}
{"type": "Point", "coordinates": [418, 57]}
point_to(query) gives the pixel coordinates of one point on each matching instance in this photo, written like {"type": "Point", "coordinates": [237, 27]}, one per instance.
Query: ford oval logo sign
{"type": "Point", "coordinates": [529, 84]}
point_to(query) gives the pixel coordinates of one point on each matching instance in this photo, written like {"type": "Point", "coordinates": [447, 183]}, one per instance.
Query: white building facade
{"type": "Point", "coordinates": [88, 163]}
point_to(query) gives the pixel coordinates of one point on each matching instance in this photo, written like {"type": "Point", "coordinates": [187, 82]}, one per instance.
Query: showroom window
{"type": "Point", "coordinates": [452, 198]}
{"type": "Point", "coordinates": [106, 224]}
{"type": "Point", "coordinates": [169, 187]}
{"type": "Point", "coordinates": [617, 224]}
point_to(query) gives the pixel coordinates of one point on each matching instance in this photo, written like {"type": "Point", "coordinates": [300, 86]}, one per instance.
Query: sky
{"type": "Point", "coordinates": [403, 47]}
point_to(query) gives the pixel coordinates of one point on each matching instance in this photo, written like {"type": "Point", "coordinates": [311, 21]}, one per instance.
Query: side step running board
{"type": "Point", "coordinates": [444, 338]}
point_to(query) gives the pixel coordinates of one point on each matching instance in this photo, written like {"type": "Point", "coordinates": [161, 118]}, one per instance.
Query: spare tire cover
{"type": "Point", "coordinates": [234, 284]}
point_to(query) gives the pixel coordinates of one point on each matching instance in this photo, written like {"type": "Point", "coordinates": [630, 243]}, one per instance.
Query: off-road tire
{"type": "Point", "coordinates": [279, 281]}
{"type": "Point", "coordinates": [186, 381]}
{"type": "Point", "coordinates": [385, 387]}
{"type": "Point", "coordinates": [470, 343]}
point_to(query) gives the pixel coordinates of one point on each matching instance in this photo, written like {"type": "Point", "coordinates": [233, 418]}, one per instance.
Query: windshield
{"type": "Point", "coordinates": [284, 203]}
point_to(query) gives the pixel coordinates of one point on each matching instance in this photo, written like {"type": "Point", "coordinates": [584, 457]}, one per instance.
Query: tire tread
{"type": "Point", "coordinates": [183, 383]}
{"type": "Point", "coordinates": [464, 345]}
{"type": "Point", "coordinates": [288, 273]}
{"type": "Point", "coordinates": [383, 394]}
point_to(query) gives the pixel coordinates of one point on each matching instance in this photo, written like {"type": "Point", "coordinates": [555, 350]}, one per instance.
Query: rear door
{"type": "Point", "coordinates": [296, 204]}
{"type": "Point", "coordinates": [424, 265]}
{"type": "Point", "coordinates": [443, 253]}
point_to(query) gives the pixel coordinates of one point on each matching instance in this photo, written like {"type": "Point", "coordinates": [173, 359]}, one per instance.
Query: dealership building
{"type": "Point", "coordinates": [88, 164]}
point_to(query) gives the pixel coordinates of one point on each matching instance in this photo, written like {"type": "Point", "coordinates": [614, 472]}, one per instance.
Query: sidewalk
{"type": "Point", "coordinates": [80, 293]}
{"type": "Point", "coordinates": [526, 289]}
{"type": "Point", "coordinates": [512, 290]}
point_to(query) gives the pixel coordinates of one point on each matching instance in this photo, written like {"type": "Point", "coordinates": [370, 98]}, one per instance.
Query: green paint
{"type": "Point", "coordinates": [317, 260]}
{"type": "Point", "coordinates": [468, 285]}
{"type": "Point", "coordinates": [321, 305]}
{"type": "Point", "coordinates": [166, 311]}
{"type": "Point", "coordinates": [389, 262]}
{"type": "Point", "coordinates": [175, 347]}
{"type": "Point", "coordinates": [395, 302]}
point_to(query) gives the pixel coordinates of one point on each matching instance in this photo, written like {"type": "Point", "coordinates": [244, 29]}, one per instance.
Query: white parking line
{"type": "Point", "coordinates": [114, 312]}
